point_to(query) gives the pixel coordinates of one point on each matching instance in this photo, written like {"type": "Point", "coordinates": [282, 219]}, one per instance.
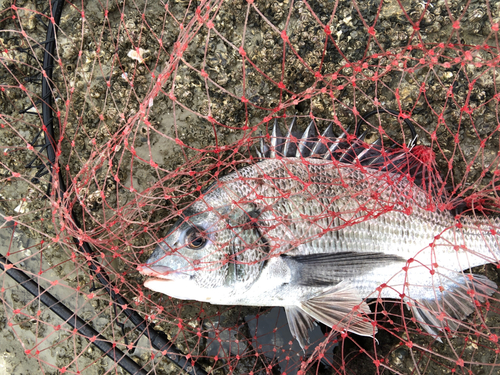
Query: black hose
{"type": "Point", "coordinates": [47, 95]}
{"type": "Point", "coordinates": [72, 319]}
{"type": "Point", "coordinates": [157, 339]}
{"type": "Point", "coordinates": [392, 112]}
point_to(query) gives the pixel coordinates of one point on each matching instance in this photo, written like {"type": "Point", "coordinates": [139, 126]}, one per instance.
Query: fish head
{"type": "Point", "coordinates": [207, 253]}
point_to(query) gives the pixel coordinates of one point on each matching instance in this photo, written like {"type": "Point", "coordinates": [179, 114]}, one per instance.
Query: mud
{"type": "Point", "coordinates": [97, 67]}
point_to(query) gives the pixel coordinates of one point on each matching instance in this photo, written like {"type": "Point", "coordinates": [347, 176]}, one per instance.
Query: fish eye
{"type": "Point", "coordinates": [195, 238]}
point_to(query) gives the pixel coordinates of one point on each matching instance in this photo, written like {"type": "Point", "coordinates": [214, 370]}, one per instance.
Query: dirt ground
{"type": "Point", "coordinates": [198, 133]}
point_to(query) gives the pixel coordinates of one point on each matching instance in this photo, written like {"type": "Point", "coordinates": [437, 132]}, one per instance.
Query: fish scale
{"type": "Point", "coordinates": [319, 235]}
{"type": "Point", "coordinates": [390, 225]}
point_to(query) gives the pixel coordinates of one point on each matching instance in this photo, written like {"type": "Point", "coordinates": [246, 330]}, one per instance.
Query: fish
{"type": "Point", "coordinates": [320, 224]}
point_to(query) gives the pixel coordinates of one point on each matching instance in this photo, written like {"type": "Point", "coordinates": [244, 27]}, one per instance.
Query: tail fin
{"type": "Point", "coordinates": [454, 303]}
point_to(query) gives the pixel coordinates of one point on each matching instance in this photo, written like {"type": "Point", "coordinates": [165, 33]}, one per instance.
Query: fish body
{"type": "Point", "coordinates": [318, 237]}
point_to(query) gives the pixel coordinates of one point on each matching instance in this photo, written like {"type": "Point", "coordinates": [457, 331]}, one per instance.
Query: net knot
{"type": "Point", "coordinates": [424, 154]}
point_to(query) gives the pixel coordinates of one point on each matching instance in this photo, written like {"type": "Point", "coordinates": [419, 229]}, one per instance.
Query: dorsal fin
{"type": "Point", "coordinates": [321, 146]}
{"type": "Point", "coordinates": [337, 143]}
{"type": "Point", "coordinates": [327, 146]}
{"type": "Point", "coordinates": [352, 149]}
{"type": "Point", "coordinates": [289, 147]}
{"type": "Point", "coordinates": [277, 141]}
{"type": "Point", "coordinates": [307, 141]}
{"type": "Point", "coordinates": [355, 149]}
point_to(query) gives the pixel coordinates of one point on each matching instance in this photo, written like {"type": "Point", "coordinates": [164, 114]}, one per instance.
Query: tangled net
{"type": "Point", "coordinates": [152, 102]}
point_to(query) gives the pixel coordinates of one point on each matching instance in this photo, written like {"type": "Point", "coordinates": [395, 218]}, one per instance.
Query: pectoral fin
{"type": "Point", "coordinates": [453, 302]}
{"type": "Point", "coordinates": [339, 307]}
{"type": "Point", "coordinates": [328, 268]}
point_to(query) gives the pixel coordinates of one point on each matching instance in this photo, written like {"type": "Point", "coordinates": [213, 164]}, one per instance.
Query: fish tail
{"type": "Point", "coordinates": [453, 302]}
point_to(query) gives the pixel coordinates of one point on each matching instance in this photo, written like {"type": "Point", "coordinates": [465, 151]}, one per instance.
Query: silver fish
{"type": "Point", "coordinates": [319, 231]}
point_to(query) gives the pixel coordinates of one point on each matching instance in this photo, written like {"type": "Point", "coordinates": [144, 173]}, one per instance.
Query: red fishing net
{"type": "Point", "coordinates": [117, 116]}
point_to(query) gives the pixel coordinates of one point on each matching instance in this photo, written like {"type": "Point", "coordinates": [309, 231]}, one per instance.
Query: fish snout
{"type": "Point", "coordinates": [166, 264]}
{"type": "Point", "coordinates": [162, 252]}
{"type": "Point", "coordinates": [153, 270]}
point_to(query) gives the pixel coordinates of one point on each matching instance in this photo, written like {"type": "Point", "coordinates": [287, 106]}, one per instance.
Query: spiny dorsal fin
{"type": "Point", "coordinates": [290, 147]}
{"type": "Point", "coordinates": [276, 141]}
{"type": "Point", "coordinates": [321, 146]}
{"type": "Point", "coordinates": [310, 145]}
{"type": "Point", "coordinates": [263, 147]}
{"type": "Point", "coordinates": [336, 144]}
{"type": "Point", "coordinates": [351, 154]}
{"type": "Point", "coordinates": [307, 141]}
{"type": "Point", "coordinates": [343, 148]}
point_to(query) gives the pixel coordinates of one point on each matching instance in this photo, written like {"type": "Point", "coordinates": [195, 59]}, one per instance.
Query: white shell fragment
{"type": "Point", "coordinates": [137, 54]}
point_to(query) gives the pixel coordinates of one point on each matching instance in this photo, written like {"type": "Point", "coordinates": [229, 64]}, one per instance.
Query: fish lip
{"type": "Point", "coordinates": [157, 272]}
{"type": "Point", "coordinates": [160, 272]}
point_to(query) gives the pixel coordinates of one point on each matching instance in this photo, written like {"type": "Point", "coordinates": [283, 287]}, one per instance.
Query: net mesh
{"type": "Point", "coordinates": [152, 102]}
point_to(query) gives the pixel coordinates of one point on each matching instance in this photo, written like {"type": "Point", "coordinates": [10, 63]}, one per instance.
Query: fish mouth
{"type": "Point", "coordinates": [160, 272]}
{"type": "Point", "coordinates": [157, 272]}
